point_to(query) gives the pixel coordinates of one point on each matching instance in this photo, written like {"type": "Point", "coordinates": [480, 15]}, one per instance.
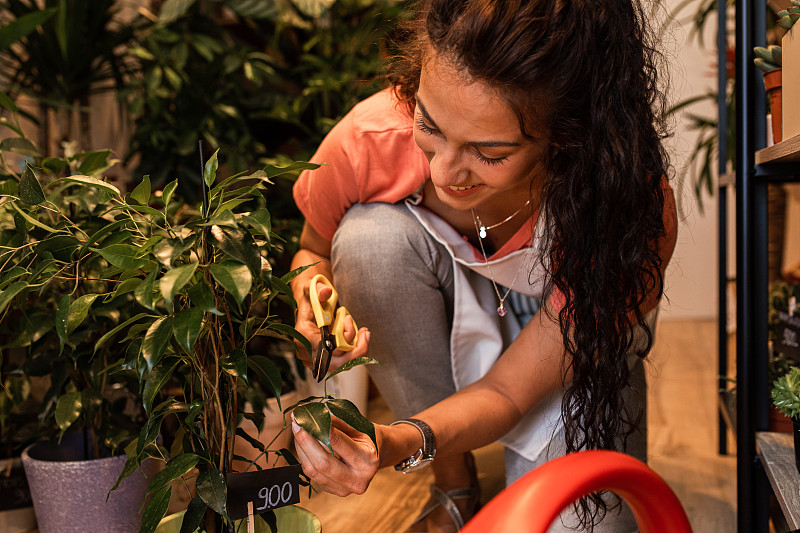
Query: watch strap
{"type": "Point", "coordinates": [428, 450]}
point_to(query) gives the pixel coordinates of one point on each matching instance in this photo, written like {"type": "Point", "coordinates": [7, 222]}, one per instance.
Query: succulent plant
{"type": "Point", "coordinates": [771, 57]}
{"type": "Point", "coordinates": [786, 393]}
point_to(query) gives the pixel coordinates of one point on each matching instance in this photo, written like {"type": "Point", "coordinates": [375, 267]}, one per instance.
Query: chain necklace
{"type": "Point", "coordinates": [481, 229]}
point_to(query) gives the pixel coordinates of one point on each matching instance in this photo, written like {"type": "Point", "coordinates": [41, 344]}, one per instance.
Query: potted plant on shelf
{"type": "Point", "coordinates": [786, 397]}
{"type": "Point", "coordinates": [770, 60]}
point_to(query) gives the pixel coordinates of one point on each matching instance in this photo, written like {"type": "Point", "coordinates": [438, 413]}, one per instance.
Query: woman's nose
{"type": "Point", "coordinates": [445, 166]}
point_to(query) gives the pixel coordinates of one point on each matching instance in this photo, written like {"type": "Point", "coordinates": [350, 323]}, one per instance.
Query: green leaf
{"type": "Point", "coordinates": [143, 293]}
{"type": "Point", "coordinates": [155, 381]}
{"type": "Point", "coordinates": [142, 191]}
{"type": "Point", "coordinates": [289, 331]}
{"type": "Point", "coordinates": [131, 464]}
{"type": "Point", "coordinates": [117, 329]}
{"type": "Point", "coordinates": [235, 363]}
{"type": "Point", "coordinates": [91, 182]}
{"type": "Point", "coordinates": [358, 361]}
{"type": "Point", "coordinates": [96, 238]}
{"type": "Point", "coordinates": [268, 373]}
{"type": "Point", "coordinates": [211, 488]}
{"type": "Point", "coordinates": [172, 10]}
{"type": "Point", "coordinates": [78, 311]}
{"type": "Point", "coordinates": [122, 256]}
{"type": "Point", "coordinates": [30, 191]}
{"type": "Point", "coordinates": [62, 316]}
{"type": "Point", "coordinates": [238, 244]}
{"type": "Point", "coordinates": [32, 220]}
{"type": "Point", "coordinates": [273, 171]}
{"type": "Point", "coordinates": [169, 190]}
{"type": "Point", "coordinates": [234, 277]}
{"type": "Point", "coordinates": [8, 103]}
{"type": "Point", "coordinates": [347, 412]}
{"type": "Point", "coordinates": [22, 26]}
{"type": "Point", "coordinates": [94, 162]}
{"type": "Point", "coordinates": [202, 297]}
{"type": "Point", "coordinates": [155, 510]}
{"type": "Point", "coordinates": [68, 409]}
{"type": "Point", "coordinates": [12, 290]}
{"type": "Point", "coordinates": [174, 280]}
{"type": "Point", "coordinates": [210, 170]}
{"type": "Point", "coordinates": [316, 419]}
{"type": "Point", "coordinates": [20, 146]}
{"type": "Point", "coordinates": [186, 327]}
{"type": "Point", "coordinates": [156, 341]}
{"type": "Point", "coordinates": [60, 246]}
{"type": "Point", "coordinates": [193, 517]}
{"type": "Point", "coordinates": [260, 221]}
{"type": "Point", "coordinates": [176, 467]}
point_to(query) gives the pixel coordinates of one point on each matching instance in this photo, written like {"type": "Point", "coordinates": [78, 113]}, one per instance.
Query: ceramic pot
{"type": "Point", "coordinates": [773, 83]}
{"type": "Point", "coordinates": [69, 492]}
{"type": "Point", "coordinates": [16, 508]}
{"type": "Point", "coordinates": [291, 519]}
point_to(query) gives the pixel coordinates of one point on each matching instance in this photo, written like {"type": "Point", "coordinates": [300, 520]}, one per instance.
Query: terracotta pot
{"type": "Point", "coordinates": [773, 83]}
{"type": "Point", "coordinates": [778, 422]}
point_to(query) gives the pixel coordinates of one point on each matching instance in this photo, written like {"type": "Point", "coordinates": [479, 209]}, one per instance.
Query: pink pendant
{"type": "Point", "coordinates": [501, 310]}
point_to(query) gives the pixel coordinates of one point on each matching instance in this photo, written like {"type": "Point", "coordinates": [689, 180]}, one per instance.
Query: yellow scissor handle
{"type": "Point", "coordinates": [323, 311]}
{"type": "Point", "coordinates": [338, 330]}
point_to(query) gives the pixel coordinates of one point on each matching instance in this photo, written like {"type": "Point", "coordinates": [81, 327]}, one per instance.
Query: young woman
{"type": "Point", "coordinates": [500, 221]}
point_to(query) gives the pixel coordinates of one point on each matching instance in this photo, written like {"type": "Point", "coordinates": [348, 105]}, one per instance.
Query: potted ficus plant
{"type": "Point", "coordinates": [201, 283]}
{"type": "Point", "coordinates": [786, 397]}
{"type": "Point", "coordinates": [52, 310]}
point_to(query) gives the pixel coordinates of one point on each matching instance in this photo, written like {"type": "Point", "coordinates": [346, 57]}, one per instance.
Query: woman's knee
{"type": "Point", "coordinates": [378, 240]}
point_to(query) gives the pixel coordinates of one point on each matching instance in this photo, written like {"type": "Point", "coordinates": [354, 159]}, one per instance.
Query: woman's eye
{"type": "Point", "coordinates": [424, 128]}
{"type": "Point", "coordinates": [492, 161]}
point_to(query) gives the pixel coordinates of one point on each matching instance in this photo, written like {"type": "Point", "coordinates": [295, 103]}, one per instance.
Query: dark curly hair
{"type": "Point", "coordinates": [594, 67]}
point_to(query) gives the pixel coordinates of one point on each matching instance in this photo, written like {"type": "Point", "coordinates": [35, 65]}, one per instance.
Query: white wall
{"type": "Point", "coordinates": [691, 283]}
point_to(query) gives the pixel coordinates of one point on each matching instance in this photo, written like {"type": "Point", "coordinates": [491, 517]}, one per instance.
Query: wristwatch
{"type": "Point", "coordinates": [424, 455]}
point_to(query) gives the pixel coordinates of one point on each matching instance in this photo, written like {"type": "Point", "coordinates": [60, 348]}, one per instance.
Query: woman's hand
{"type": "Point", "coordinates": [350, 470]}
{"type": "Point", "coordinates": [307, 326]}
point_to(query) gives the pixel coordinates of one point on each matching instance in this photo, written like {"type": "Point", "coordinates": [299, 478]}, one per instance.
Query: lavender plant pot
{"type": "Point", "coordinates": [69, 492]}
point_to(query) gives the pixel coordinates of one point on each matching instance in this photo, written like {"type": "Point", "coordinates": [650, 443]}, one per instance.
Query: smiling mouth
{"type": "Point", "coordinates": [459, 189]}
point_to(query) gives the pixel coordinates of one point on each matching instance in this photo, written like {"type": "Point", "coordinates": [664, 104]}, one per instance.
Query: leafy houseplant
{"type": "Point", "coordinates": [201, 287]}
{"type": "Point", "coordinates": [786, 397]}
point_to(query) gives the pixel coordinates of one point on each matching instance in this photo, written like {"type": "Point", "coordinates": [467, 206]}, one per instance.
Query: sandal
{"type": "Point", "coordinates": [445, 499]}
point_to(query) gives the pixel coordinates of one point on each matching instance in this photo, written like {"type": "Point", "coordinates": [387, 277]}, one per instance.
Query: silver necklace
{"type": "Point", "coordinates": [482, 229]}
{"type": "Point", "coordinates": [501, 310]}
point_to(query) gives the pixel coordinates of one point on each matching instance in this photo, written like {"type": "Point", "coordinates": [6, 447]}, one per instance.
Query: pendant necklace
{"type": "Point", "coordinates": [481, 229]}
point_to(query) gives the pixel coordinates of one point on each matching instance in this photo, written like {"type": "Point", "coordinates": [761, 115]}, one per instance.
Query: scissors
{"type": "Point", "coordinates": [331, 327]}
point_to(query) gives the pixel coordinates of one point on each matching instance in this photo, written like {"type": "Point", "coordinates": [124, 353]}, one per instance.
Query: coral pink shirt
{"type": "Point", "coordinates": [371, 156]}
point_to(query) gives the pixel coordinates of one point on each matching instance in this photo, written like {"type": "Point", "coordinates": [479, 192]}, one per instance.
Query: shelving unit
{"type": "Point", "coordinates": [756, 166]}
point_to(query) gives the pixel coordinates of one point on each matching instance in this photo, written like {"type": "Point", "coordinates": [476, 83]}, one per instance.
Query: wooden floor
{"type": "Point", "coordinates": [682, 447]}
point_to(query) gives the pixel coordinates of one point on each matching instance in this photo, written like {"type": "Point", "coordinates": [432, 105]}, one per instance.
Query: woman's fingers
{"type": "Point", "coordinates": [349, 471]}
{"type": "Point", "coordinates": [361, 350]}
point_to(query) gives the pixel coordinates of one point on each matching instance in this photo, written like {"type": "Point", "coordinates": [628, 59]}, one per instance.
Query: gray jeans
{"type": "Point", "coordinates": [398, 281]}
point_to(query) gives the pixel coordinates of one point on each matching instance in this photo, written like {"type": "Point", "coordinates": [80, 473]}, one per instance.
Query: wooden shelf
{"type": "Point", "coordinates": [786, 151]}
{"type": "Point", "coordinates": [777, 456]}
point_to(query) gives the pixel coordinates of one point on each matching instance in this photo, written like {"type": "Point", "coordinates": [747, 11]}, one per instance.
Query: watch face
{"type": "Point", "coordinates": [418, 465]}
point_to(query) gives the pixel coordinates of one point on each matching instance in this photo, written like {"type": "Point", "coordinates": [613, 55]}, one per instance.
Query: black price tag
{"type": "Point", "coordinates": [787, 336]}
{"type": "Point", "coordinates": [267, 489]}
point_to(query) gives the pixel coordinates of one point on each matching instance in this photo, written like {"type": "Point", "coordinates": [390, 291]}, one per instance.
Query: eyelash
{"type": "Point", "coordinates": [424, 128]}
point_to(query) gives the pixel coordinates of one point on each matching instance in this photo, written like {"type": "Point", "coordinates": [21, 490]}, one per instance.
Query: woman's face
{"type": "Point", "coordinates": [471, 137]}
